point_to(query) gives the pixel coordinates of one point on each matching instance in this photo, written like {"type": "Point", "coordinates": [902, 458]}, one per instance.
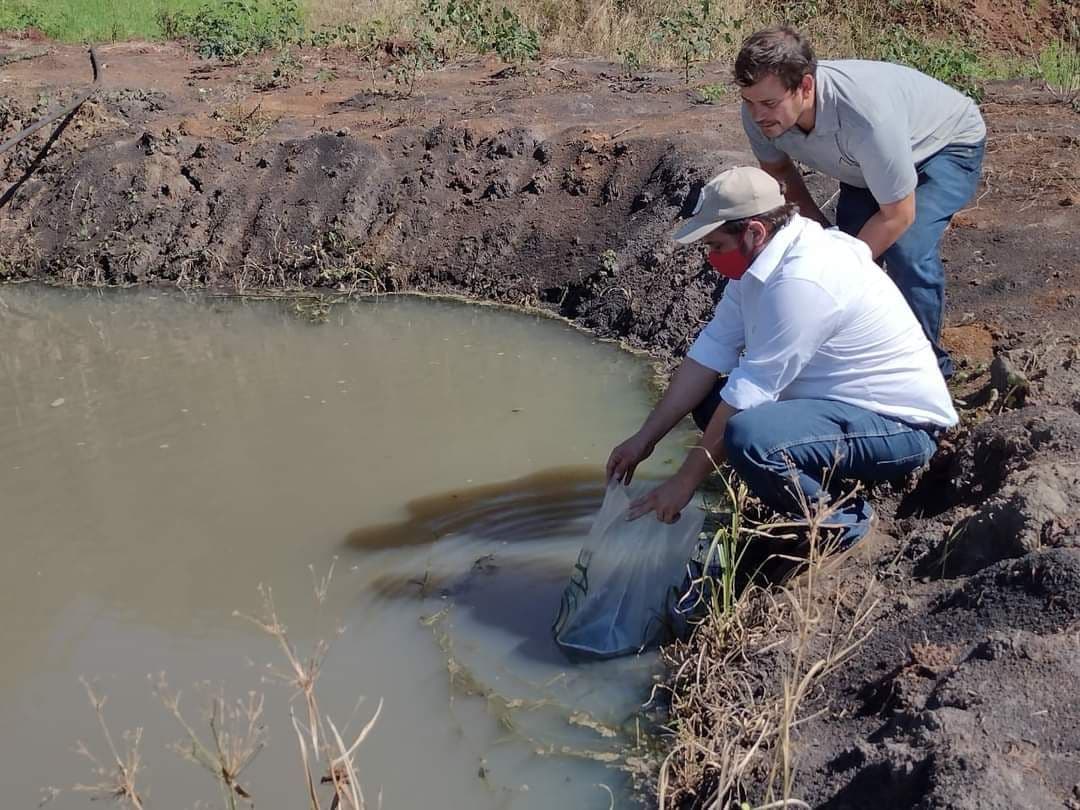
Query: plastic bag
{"type": "Point", "coordinates": [626, 578]}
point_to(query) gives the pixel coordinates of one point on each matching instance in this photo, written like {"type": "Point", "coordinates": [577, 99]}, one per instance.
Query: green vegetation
{"type": "Point", "coordinates": [712, 93]}
{"type": "Point", "coordinates": [426, 33]}
{"type": "Point", "coordinates": [948, 61]}
{"type": "Point", "coordinates": [235, 28]}
{"type": "Point", "coordinates": [1059, 64]}
{"type": "Point", "coordinates": [693, 33]}
{"type": "Point", "coordinates": [476, 26]}
{"type": "Point", "coordinates": [92, 20]}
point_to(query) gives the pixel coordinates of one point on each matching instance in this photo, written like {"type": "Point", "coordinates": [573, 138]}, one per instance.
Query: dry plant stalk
{"type": "Point", "coordinates": [237, 735]}
{"type": "Point", "coordinates": [749, 676]}
{"type": "Point", "coordinates": [302, 673]}
{"type": "Point", "coordinates": [117, 778]}
{"type": "Point", "coordinates": [315, 743]}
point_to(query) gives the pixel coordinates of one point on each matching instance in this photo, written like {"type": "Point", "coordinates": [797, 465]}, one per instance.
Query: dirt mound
{"type": "Point", "coordinates": [972, 713]}
{"type": "Point", "coordinates": [1017, 482]}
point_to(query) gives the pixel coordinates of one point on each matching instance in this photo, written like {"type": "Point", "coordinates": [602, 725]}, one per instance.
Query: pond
{"type": "Point", "coordinates": [163, 455]}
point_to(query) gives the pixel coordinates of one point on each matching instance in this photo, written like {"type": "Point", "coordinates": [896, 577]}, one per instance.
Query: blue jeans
{"type": "Point", "coordinates": [812, 445]}
{"type": "Point", "coordinates": [947, 181]}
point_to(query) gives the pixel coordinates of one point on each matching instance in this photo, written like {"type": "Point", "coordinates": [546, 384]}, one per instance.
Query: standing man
{"type": "Point", "coordinates": [830, 375]}
{"type": "Point", "coordinates": [906, 148]}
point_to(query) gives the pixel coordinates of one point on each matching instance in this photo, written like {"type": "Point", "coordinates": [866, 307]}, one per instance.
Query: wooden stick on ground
{"type": "Point", "coordinates": [66, 111]}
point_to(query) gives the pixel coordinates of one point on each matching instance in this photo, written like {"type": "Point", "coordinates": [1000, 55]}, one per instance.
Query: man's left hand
{"type": "Point", "coordinates": [667, 500]}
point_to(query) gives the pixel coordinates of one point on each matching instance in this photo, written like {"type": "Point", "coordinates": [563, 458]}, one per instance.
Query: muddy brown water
{"type": "Point", "coordinates": [162, 455]}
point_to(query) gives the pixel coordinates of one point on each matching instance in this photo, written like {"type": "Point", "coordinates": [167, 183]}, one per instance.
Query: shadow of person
{"type": "Point", "coordinates": [520, 598]}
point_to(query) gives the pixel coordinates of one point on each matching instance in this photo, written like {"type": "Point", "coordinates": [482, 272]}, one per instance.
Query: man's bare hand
{"type": "Point", "coordinates": [667, 501]}
{"type": "Point", "coordinates": [624, 459]}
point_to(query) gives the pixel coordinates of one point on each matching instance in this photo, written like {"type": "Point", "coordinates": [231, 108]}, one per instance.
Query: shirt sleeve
{"type": "Point", "coordinates": [722, 340]}
{"type": "Point", "coordinates": [888, 165]}
{"type": "Point", "coordinates": [796, 317]}
{"type": "Point", "coordinates": [763, 148]}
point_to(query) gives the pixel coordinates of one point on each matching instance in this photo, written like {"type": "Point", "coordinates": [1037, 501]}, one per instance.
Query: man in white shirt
{"type": "Point", "coordinates": [830, 376]}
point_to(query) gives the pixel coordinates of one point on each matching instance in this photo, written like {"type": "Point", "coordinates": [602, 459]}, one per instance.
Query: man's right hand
{"type": "Point", "coordinates": [625, 457]}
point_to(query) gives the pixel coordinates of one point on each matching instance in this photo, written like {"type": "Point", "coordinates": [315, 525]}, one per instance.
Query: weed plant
{"type": "Point", "coordinates": [947, 61]}
{"type": "Point", "coordinates": [1059, 64]}
{"type": "Point", "coordinates": [752, 670]}
{"type": "Point", "coordinates": [236, 28]}
{"type": "Point", "coordinates": [235, 732]}
{"type": "Point", "coordinates": [693, 33]}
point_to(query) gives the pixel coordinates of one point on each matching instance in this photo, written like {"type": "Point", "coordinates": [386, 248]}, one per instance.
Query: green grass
{"type": "Point", "coordinates": [91, 20]}
{"type": "Point", "coordinates": [1059, 65]}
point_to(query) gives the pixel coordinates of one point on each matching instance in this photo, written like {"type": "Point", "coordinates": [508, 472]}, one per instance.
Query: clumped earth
{"type": "Point", "coordinates": [556, 188]}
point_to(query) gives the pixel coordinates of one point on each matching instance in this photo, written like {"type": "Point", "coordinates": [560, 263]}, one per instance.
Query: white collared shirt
{"type": "Point", "coordinates": [815, 318]}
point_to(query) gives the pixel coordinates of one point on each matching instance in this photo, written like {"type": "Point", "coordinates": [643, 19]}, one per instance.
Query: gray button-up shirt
{"type": "Point", "coordinates": [875, 123]}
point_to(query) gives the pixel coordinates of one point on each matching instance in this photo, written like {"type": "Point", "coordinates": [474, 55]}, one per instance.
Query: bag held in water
{"type": "Point", "coordinates": [626, 578]}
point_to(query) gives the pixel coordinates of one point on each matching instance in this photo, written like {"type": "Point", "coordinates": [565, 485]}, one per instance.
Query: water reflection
{"type": "Point", "coordinates": [545, 504]}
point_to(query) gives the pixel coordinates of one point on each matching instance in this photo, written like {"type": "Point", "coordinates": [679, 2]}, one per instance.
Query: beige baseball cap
{"type": "Point", "coordinates": [735, 194]}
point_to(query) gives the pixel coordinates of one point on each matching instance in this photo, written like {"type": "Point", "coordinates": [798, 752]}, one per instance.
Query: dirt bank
{"type": "Point", "coordinates": [556, 189]}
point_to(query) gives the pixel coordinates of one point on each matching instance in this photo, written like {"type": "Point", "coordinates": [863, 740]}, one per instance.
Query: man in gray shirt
{"type": "Point", "coordinates": [906, 148]}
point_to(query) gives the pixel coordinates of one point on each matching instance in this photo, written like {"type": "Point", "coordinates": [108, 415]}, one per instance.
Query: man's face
{"type": "Point", "coordinates": [749, 243]}
{"type": "Point", "coordinates": [722, 242]}
{"type": "Point", "coordinates": [773, 107]}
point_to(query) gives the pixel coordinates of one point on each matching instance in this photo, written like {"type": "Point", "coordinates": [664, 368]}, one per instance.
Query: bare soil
{"type": "Point", "coordinates": [556, 188]}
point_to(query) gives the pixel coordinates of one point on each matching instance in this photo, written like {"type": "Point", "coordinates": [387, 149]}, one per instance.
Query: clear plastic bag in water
{"type": "Point", "coordinates": [626, 578]}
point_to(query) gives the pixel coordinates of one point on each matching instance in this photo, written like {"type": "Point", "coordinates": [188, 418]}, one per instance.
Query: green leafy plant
{"type": "Point", "coordinates": [236, 28]}
{"type": "Point", "coordinates": [477, 26]}
{"type": "Point", "coordinates": [950, 62]}
{"type": "Point", "coordinates": [514, 41]}
{"type": "Point", "coordinates": [712, 93]}
{"type": "Point", "coordinates": [421, 56]}
{"type": "Point", "coordinates": [631, 60]}
{"type": "Point", "coordinates": [693, 33]}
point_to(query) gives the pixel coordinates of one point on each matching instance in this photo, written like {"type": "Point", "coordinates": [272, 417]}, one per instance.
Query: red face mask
{"type": "Point", "coordinates": [729, 263]}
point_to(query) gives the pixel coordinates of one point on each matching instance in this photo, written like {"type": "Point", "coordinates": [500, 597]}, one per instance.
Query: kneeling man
{"type": "Point", "coordinates": [829, 375]}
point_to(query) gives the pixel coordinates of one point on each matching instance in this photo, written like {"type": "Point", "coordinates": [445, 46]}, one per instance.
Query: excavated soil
{"type": "Point", "coordinates": [556, 188]}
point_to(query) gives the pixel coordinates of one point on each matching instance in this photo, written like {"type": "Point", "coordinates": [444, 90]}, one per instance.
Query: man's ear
{"type": "Point", "coordinates": [758, 233]}
{"type": "Point", "coordinates": [806, 87]}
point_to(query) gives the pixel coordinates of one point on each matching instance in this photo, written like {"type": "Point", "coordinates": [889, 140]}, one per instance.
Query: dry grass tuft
{"type": "Point", "coordinates": [116, 775]}
{"type": "Point", "coordinates": [750, 675]}
{"type": "Point", "coordinates": [244, 123]}
{"type": "Point", "coordinates": [237, 733]}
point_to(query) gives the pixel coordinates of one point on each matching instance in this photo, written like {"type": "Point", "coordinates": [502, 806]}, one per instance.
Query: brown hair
{"type": "Point", "coordinates": [773, 220]}
{"type": "Point", "coordinates": [779, 51]}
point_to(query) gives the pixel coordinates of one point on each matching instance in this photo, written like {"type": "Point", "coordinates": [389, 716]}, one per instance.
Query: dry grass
{"type": "Point", "coordinates": [244, 123]}
{"type": "Point", "coordinates": [118, 772]}
{"type": "Point", "coordinates": [750, 675]}
{"type": "Point", "coordinates": [235, 733]}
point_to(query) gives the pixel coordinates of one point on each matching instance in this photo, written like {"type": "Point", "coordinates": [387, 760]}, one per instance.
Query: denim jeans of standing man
{"type": "Point", "coordinates": [947, 182]}
{"type": "Point", "coordinates": [818, 446]}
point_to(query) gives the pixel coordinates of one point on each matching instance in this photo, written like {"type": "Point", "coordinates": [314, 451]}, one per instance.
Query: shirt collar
{"type": "Point", "coordinates": [826, 115]}
{"type": "Point", "coordinates": [769, 259]}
